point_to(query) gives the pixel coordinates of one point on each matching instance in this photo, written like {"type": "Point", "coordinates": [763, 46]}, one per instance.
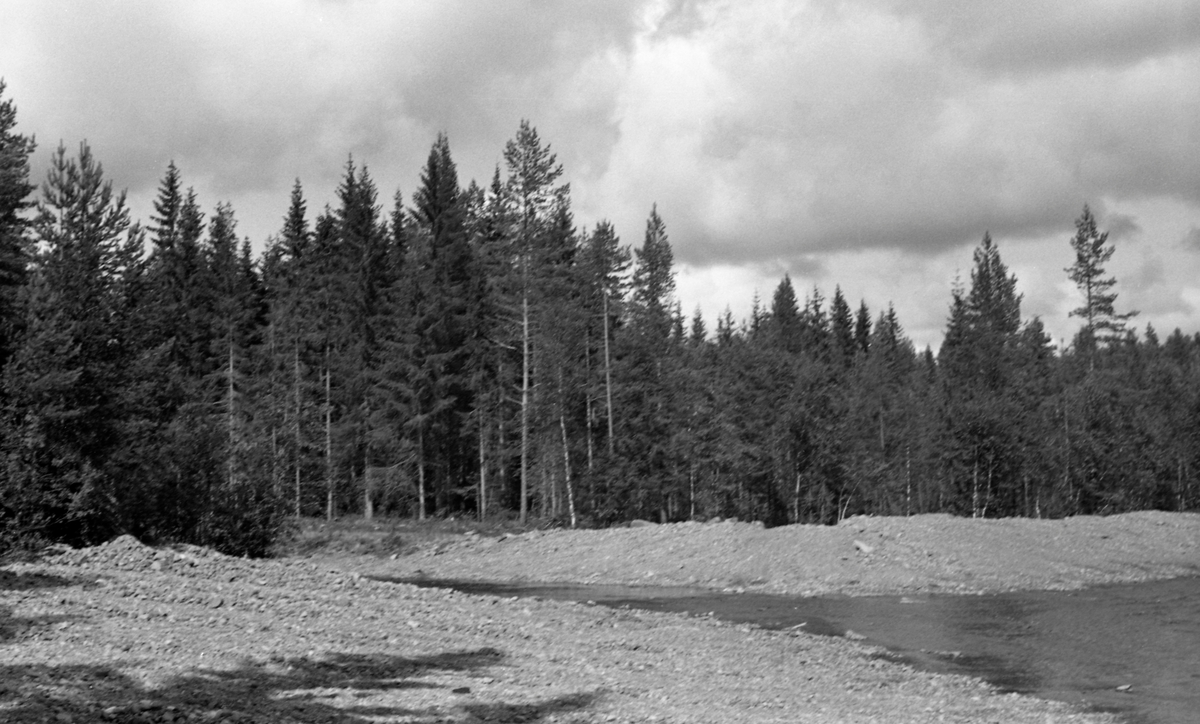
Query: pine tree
{"type": "Point", "coordinates": [1102, 324]}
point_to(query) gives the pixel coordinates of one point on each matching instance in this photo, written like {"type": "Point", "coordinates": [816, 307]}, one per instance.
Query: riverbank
{"type": "Point", "coordinates": [860, 556]}
{"type": "Point", "coordinates": [126, 633]}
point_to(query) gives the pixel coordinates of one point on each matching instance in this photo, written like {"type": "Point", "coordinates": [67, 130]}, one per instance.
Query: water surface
{"type": "Point", "coordinates": [1133, 649]}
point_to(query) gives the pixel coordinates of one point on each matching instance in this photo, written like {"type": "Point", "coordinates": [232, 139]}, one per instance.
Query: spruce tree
{"type": "Point", "coordinates": [363, 244]}
{"type": "Point", "coordinates": [862, 329]}
{"type": "Point", "coordinates": [648, 365]}
{"type": "Point", "coordinates": [63, 381]}
{"type": "Point", "coordinates": [443, 283]}
{"type": "Point", "coordinates": [981, 359]}
{"type": "Point", "coordinates": [841, 328]}
{"type": "Point", "coordinates": [15, 188]}
{"type": "Point", "coordinates": [531, 190]}
{"type": "Point", "coordinates": [605, 266]}
{"type": "Point", "coordinates": [654, 282]}
{"type": "Point", "coordinates": [787, 328]}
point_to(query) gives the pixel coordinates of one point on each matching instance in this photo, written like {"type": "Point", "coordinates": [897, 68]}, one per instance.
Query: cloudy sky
{"type": "Point", "coordinates": [866, 143]}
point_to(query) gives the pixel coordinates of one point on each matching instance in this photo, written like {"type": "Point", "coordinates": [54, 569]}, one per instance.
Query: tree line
{"type": "Point", "coordinates": [471, 351]}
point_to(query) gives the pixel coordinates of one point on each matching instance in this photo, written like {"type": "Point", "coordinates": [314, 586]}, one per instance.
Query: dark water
{"type": "Point", "coordinates": [1076, 646]}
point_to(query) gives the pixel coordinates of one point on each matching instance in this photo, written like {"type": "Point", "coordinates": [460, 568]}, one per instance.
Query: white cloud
{"type": "Point", "coordinates": [867, 142]}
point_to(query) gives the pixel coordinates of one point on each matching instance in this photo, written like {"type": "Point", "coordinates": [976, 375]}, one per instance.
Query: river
{"type": "Point", "coordinates": [1131, 649]}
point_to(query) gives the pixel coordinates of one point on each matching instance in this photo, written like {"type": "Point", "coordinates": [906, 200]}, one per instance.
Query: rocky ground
{"type": "Point", "coordinates": [127, 633]}
{"type": "Point", "coordinates": [861, 556]}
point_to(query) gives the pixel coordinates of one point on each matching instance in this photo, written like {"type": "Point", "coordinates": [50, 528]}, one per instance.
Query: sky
{"type": "Point", "coordinates": [867, 144]}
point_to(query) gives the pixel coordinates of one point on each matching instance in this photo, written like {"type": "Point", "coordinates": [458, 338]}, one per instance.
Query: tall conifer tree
{"type": "Point", "coordinates": [1102, 323]}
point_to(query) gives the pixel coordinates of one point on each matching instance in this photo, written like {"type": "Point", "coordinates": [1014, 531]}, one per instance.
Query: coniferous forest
{"type": "Point", "coordinates": [470, 350]}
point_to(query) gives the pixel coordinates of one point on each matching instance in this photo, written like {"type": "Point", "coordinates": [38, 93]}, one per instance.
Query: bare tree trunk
{"type": "Point", "coordinates": [608, 386]}
{"type": "Point", "coordinates": [368, 501]}
{"type": "Point", "coordinates": [562, 424]}
{"type": "Point", "coordinates": [975, 488]}
{"type": "Point", "coordinates": [908, 480]}
{"type": "Point", "coordinates": [328, 443]}
{"type": "Point", "coordinates": [796, 500]}
{"type": "Point", "coordinates": [501, 437]}
{"type": "Point", "coordinates": [229, 412]}
{"type": "Point", "coordinates": [297, 452]}
{"type": "Point", "coordinates": [525, 407]}
{"type": "Point", "coordinates": [482, 502]}
{"type": "Point", "coordinates": [692, 492]}
{"type": "Point", "coordinates": [587, 395]}
{"type": "Point", "coordinates": [276, 414]}
{"type": "Point", "coordinates": [421, 472]}
{"type": "Point", "coordinates": [987, 493]}
{"type": "Point", "coordinates": [1067, 449]}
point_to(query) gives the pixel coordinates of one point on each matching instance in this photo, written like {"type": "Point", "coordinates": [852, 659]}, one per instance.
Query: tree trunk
{"type": "Point", "coordinates": [525, 407]}
{"type": "Point", "coordinates": [796, 499]}
{"type": "Point", "coordinates": [1067, 449]}
{"type": "Point", "coordinates": [907, 480]}
{"type": "Point", "coordinates": [368, 501]}
{"type": "Point", "coordinates": [276, 415]}
{"type": "Point", "coordinates": [229, 412]}
{"type": "Point", "coordinates": [328, 443]}
{"type": "Point", "coordinates": [420, 472]}
{"type": "Point", "coordinates": [975, 487]}
{"type": "Point", "coordinates": [608, 386]}
{"type": "Point", "coordinates": [298, 442]}
{"type": "Point", "coordinates": [482, 501]}
{"type": "Point", "coordinates": [587, 395]}
{"type": "Point", "coordinates": [562, 423]}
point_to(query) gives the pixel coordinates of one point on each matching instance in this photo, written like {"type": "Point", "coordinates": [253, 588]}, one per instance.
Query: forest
{"type": "Point", "coordinates": [470, 351]}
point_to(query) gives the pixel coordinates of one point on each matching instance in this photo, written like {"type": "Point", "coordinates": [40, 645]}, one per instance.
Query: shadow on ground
{"type": "Point", "coordinates": [281, 690]}
{"type": "Point", "coordinates": [14, 627]}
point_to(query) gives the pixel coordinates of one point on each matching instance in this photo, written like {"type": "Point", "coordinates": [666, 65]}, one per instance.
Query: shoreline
{"type": "Point", "coordinates": [861, 556]}
{"type": "Point", "coordinates": [127, 633]}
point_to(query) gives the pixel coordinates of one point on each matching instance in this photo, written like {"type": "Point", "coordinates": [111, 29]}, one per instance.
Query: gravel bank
{"type": "Point", "coordinates": [125, 633]}
{"type": "Point", "coordinates": [861, 556]}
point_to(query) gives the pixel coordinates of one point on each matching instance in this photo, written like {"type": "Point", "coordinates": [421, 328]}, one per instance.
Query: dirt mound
{"type": "Point", "coordinates": [127, 554]}
{"type": "Point", "coordinates": [862, 555]}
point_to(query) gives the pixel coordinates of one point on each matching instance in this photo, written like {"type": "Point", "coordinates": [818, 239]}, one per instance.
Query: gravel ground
{"type": "Point", "coordinates": [127, 633]}
{"type": "Point", "coordinates": [861, 556]}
